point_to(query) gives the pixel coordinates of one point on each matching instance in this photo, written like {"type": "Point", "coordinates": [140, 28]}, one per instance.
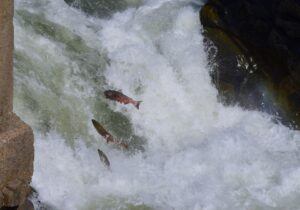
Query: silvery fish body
{"type": "Point", "coordinates": [104, 158]}
{"type": "Point", "coordinates": [107, 136]}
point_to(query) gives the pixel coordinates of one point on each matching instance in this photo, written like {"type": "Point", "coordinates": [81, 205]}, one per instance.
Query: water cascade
{"type": "Point", "coordinates": [188, 151]}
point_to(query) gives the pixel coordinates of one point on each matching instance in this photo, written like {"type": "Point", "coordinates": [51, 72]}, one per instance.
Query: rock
{"type": "Point", "coordinates": [1, 199]}
{"type": "Point", "coordinates": [9, 208]}
{"type": "Point", "coordinates": [257, 57]}
{"type": "Point", "coordinates": [15, 192]}
{"type": "Point", "coordinates": [16, 137]}
{"type": "Point", "coordinates": [16, 162]}
{"type": "Point", "coordinates": [210, 16]}
{"type": "Point", "coordinates": [289, 8]}
{"type": "Point", "coordinates": [291, 28]}
{"type": "Point", "coordinates": [6, 60]}
{"type": "Point", "coordinates": [26, 206]}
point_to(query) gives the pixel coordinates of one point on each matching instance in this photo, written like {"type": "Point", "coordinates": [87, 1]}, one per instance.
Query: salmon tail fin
{"type": "Point", "coordinates": [137, 104]}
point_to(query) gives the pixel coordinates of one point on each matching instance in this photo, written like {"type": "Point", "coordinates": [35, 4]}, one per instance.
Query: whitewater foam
{"type": "Point", "coordinates": [198, 154]}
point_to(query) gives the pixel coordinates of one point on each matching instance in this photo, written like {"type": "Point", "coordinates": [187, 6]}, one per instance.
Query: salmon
{"type": "Point", "coordinates": [121, 98]}
{"type": "Point", "coordinates": [107, 136]}
{"type": "Point", "coordinates": [104, 158]}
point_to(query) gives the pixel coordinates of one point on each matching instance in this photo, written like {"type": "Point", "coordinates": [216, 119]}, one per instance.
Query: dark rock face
{"type": "Point", "coordinates": [258, 54]}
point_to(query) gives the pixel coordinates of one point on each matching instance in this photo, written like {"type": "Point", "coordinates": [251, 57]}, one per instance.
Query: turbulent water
{"type": "Point", "coordinates": [187, 151]}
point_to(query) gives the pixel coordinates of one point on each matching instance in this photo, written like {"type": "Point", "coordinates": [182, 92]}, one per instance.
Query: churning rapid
{"type": "Point", "coordinates": [188, 151]}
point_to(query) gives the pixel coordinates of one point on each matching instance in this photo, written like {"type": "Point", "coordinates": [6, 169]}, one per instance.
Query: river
{"type": "Point", "coordinates": [187, 150]}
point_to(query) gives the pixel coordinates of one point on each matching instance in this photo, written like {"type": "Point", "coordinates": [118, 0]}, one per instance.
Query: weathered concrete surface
{"type": "Point", "coordinates": [6, 60]}
{"type": "Point", "coordinates": [16, 137]}
{"type": "Point", "coordinates": [16, 162]}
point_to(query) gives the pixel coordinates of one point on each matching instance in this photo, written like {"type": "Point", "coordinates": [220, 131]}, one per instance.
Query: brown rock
{"type": "Point", "coordinates": [26, 206]}
{"type": "Point", "coordinates": [16, 162]}
{"type": "Point", "coordinates": [6, 59]}
{"type": "Point", "coordinates": [16, 137]}
{"type": "Point", "coordinates": [1, 199]}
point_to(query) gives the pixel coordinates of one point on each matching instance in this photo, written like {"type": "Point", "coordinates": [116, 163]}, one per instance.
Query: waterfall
{"type": "Point", "coordinates": [188, 151]}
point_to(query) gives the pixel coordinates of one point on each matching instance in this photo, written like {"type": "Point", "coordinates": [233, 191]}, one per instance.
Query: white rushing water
{"type": "Point", "coordinates": [197, 153]}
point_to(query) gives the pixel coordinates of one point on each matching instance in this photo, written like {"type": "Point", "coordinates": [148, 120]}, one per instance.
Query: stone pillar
{"type": "Point", "coordinates": [6, 61]}
{"type": "Point", "coordinates": [16, 137]}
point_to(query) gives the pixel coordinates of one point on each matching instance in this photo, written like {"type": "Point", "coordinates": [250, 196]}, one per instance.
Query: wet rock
{"type": "Point", "coordinates": [1, 199]}
{"type": "Point", "coordinates": [9, 208]}
{"type": "Point", "coordinates": [16, 137]}
{"type": "Point", "coordinates": [26, 206]}
{"type": "Point", "coordinates": [210, 16]}
{"type": "Point", "coordinates": [257, 57]}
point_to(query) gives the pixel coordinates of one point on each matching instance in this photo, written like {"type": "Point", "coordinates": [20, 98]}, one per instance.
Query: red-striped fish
{"type": "Point", "coordinates": [107, 136]}
{"type": "Point", "coordinates": [121, 98]}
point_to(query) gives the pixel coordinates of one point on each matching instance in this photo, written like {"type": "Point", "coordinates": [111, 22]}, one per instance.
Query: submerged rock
{"type": "Point", "coordinates": [102, 8]}
{"type": "Point", "coordinates": [258, 54]}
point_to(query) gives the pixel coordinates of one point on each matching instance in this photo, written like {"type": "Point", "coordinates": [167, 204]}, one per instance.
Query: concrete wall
{"type": "Point", "coordinates": [16, 137]}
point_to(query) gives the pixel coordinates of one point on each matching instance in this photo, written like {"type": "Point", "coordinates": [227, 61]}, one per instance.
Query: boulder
{"type": "Point", "coordinates": [16, 137]}
{"type": "Point", "coordinates": [16, 162]}
{"type": "Point", "coordinates": [257, 57]}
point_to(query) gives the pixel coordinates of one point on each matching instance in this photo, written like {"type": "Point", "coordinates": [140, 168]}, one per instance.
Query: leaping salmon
{"type": "Point", "coordinates": [104, 158]}
{"type": "Point", "coordinates": [121, 98]}
{"type": "Point", "coordinates": [108, 137]}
